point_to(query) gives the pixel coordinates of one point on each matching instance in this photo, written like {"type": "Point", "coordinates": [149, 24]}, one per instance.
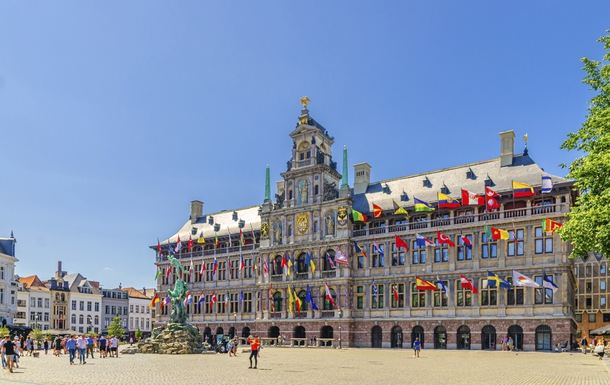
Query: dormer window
{"type": "Point", "coordinates": [445, 189]}
{"type": "Point", "coordinates": [489, 182]}
{"type": "Point", "coordinates": [234, 215]}
{"type": "Point", "coordinates": [211, 220]}
{"type": "Point", "coordinates": [470, 174]}
{"type": "Point", "coordinates": [404, 197]}
{"type": "Point", "coordinates": [427, 183]}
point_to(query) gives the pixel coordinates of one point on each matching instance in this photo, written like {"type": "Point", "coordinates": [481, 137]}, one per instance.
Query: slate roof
{"type": "Point", "coordinates": [523, 169]}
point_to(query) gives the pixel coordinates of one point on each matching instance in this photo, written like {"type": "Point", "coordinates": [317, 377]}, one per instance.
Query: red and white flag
{"type": "Point", "coordinates": [329, 296]}
{"type": "Point", "coordinates": [468, 285]}
{"type": "Point", "coordinates": [491, 199]}
{"type": "Point", "coordinates": [444, 240]}
{"type": "Point", "coordinates": [213, 299]}
{"type": "Point", "coordinates": [265, 268]}
{"type": "Point", "coordinates": [178, 245]}
{"type": "Point", "coordinates": [340, 257]}
{"type": "Point", "coordinates": [189, 244]}
{"type": "Point", "coordinates": [202, 268]}
{"type": "Point", "coordinates": [395, 294]}
{"type": "Point", "coordinates": [471, 199]}
{"type": "Point", "coordinates": [241, 263]}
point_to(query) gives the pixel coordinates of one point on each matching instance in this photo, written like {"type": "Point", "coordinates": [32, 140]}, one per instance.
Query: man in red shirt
{"type": "Point", "coordinates": [255, 345]}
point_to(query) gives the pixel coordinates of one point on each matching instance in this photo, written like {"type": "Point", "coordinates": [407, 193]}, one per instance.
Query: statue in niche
{"type": "Point", "coordinates": [279, 201]}
{"type": "Point", "coordinates": [303, 190]}
{"type": "Point", "coordinates": [277, 233]}
{"type": "Point", "coordinates": [330, 191]}
{"type": "Point", "coordinates": [329, 218]}
{"type": "Point", "coordinates": [320, 157]}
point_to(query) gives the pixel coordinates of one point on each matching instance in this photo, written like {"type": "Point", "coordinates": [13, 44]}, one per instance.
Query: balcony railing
{"type": "Point", "coordinates": [220, 250]}
{"type": "Point", "coordinates": [328, 314]}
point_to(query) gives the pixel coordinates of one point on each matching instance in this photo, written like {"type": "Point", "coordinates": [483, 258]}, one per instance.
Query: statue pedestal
{"type": "Point", "coordinates": [177, 338]}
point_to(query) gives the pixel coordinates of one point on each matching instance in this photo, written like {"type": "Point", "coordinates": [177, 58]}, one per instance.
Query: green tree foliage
{"type": "Point", "coordinates": [115, 329]}
{"type": "Point", "coordinates": [37, 334]}
{"type": "Point", "coordinates": [588, 225]}
{"type": "Point", "coordinates": [138, 333]}
{"type": "Point", "coordinates": [4, 331]}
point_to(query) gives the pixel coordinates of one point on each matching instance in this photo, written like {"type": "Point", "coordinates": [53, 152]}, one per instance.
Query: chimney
{"type": "Point", "coordinates": [507, 148]}
{"type": "Point", "coordinates": [362, 177]}
{"type": "Point", "coordinates": [196, 211]}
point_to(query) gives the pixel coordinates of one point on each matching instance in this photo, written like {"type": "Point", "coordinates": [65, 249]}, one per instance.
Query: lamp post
{"type": "Point", "coordinates": [88, 323]}
{"type": "Point", "coordinates": [340, 316]}
{"type": "Point", "coordinates": [36, 323]}
{"type": "Point", "coordinates": [234, 322]}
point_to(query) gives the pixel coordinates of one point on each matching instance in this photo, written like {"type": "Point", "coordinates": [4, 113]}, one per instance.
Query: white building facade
{"type": "Point", "coordinates": [8, 286]}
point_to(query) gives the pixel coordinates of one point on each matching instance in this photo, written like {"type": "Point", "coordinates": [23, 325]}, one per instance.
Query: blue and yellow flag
{"type": "Point", "coordinates": [494, 281]}
{"type": "Point", "coordinates": [422, 205]}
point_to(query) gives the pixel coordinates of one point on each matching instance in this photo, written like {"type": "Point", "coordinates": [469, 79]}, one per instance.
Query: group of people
{"type": "Point", "coordinates": [84, 347]}
{"type": "Point", "coordinates": [599, 345]}
{"type": "Point", "coordinates": [507, 344]}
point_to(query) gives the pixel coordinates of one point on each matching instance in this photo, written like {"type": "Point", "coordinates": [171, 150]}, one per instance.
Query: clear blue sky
{"type": "Point", "coordinates": [115, 115]}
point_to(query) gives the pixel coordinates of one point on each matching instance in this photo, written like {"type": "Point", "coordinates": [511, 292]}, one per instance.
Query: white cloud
{"type": "Point", "coordinates": [107, 269]}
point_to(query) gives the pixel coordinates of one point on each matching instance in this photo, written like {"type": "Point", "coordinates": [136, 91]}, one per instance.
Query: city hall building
{"type": "Point", "coordinates": [295, 243]}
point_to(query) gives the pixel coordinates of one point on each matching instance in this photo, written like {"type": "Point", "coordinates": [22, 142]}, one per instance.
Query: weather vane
{"type": "Point", "coordinates": [304, 101]}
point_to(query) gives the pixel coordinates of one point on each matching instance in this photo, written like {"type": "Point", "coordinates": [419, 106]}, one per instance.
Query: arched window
{"type": "Point", "coordinates": [329, 255]}
{"type": "Point", "coordinates": [327, 332]}
{"type": "Point", "coordinates": [543, 338]}
{"type": "Point", "coordinates": [327, 304]}
{"type": "Point", "coordinates": [516, 333]}
{"type": "Point", "coordinates": [418, 332]}
{"type": "Point", "coordinates": [277, 301]}
{"type": "Point", "coordinates": [220, 330]}
{"type": "Point", "coordinates": [440, 337]}
{"type": "Point", "coordinates": [488, 338]}
{"type": "Point", "coordinates": [96, 320]}
{"type": "Point", "coordinates": [396, 338]}
{"type": "Point", "coordinates": [277, 266]}
{"type": "Point", "coordinates": [301, 265]}
{"type": "Point", "coordinates": [245, 332]}
{"type": "Point", "coordinates": [81, 319]}
{"type": "Point", "coordinates": [463, 337]}
{"type": "Point", "coordinates": [376, 336]}
{"type": "Point", "coordinates": [299, 332]}
{"type": "Point", "coordinates": [273, 332]}
{"type": "Point", "coordinates": [232, 331]}
{"type": "Point", "coordinates": [73, 319]}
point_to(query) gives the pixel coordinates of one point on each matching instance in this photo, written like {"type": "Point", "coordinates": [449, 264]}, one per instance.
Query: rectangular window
{"type": "Point", "coordinates": [543, 241]}
{"type": "Point", "coordinates": [515, 244]}
{"type": "Point", "coordinates": [441, 252]}
{"type": "Point", "coordinates": [602, 285]}
{"type": "Point", "coordinates": [602, 268]}
{"type": "Point", "coordinates": [378, 303]}
{"type": "Point", "coordinates": [247, 304]}
{"type": "Point", "coordinates": [592, 318]}
{"type": "Point", "coordinates": [398, 290]}
{"type": "Point", "coordinates": [398, 256]}
{"type": "Point", "coordinates": [419, 254]}
{"type": "Point", "coordinates": [113, 310]}
{"type": "Point", "coordinates": [378, 260]}
{"type": "Point", "coordinates": [97, 306]}
{"type": "Point", "coordinates": [360, 297]}
{"type": "Point", "coordinates": [119, 310]}
{"type": "Point", "coordinates": [543, 295]}
{"type": "Point", "coordinates": [222, 271]}
{"type": "Point", "coordinates": [233, 302]}
{"type": "Point", "coordinates": [605, 317]}
{"type": "Point", "coordinates": [440, 299]}
{"type": "Point", "coordinates": [514, 295]}
{"type": "Point", "coordinates": [73, 305]}
{"type": "Point", "coordinates": [234, 268]}
{"type": "Point", "coordinates": [81, 305]}
{"type": "Point", "coordinates": [88, 305]}
{"type": "Point", "coordinates": [418, 297]}
{"type": "Point", "coordinates": [579, 318]}
{"type": "Point", "coordinates": [489, 247]}
{"type": "Point", "coordinates": [489, 295]}
{"type": "Point", "coordinates": [131, 308]}
{"type": "Point", "coordinates": [39, 302]}
{"type": "Point", "coordinates": [137, 309]}
{"type": "Point", "coordinates": [47, 303]}
{"type": "Point", "coordinates": [107, 309]}
{"type": "Point", "coordinates": [602, 302]}
{"type": "Point", "coordinates": [247, 268]}
{"type": "Point", "coordinates": [221, 306]}
{"type": "Point", "coordinates": [464, 252]}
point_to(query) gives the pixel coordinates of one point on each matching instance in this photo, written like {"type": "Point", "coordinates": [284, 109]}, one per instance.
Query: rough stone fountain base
{"type": "Point", "coordinates": [177, 338]}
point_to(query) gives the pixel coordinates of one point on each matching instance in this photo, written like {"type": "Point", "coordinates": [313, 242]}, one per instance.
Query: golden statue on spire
{"type": "Point", "coordinates": [304, 101]}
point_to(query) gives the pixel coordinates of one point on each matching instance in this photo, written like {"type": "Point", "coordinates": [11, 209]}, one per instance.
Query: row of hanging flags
{"type": "Point", "coordinates": [201, 240]}
{"type": "Point", "coordinates": [490, 200]}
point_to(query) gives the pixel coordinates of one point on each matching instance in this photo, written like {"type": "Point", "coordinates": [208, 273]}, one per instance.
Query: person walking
{"type": "Point", "coordinates": [9, 351]}
{"type": "Point", "coordinates": [583, 345]}
{"type": "Point", "coordinates": [82, 348]}
{"type": "Point", "coordinates": [71, 346]}
{"type": "Point", "coordinates": [510, 344]}
{"type": "Point", "coordinates": [114, 347]}
{"type": "Point", "coordinates": [102, 346]}
{"type": "Point", "coordinates": [90, 346]}
{"type": "Point", "coordinates": [45, 345]}
{"type": "Point", "coordinates": [416, 347]}
{"type": "Point", "coordinates": [18, 350]}
{"type": "Point", "coordinates": [255, 345]}
{"type": "Point", "coordinates": [599, 348]}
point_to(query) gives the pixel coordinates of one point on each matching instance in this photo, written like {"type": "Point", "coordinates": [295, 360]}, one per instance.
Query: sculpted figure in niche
{"type": "Point", "coordinates": [277, 232]}
{"type": "Point", "coordinates": [303, 189]}
{"type": "Point", "coordinates": [329, 218]}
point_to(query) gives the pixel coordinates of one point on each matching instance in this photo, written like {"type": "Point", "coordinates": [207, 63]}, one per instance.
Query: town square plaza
{"type": "Point", "coordinates": [285, 365]}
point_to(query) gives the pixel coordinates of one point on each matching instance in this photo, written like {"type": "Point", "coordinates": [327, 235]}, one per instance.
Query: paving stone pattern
{"type": "Point", "coordinates": [279, 365]}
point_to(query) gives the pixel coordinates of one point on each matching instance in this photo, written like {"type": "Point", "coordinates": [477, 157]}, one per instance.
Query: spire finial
{"type": "Point", "coordinates": [304, 101]}
{"type": "Point", "coordinates": [344, 176]}
{"type": "Point", "coordinates": [267, 185]}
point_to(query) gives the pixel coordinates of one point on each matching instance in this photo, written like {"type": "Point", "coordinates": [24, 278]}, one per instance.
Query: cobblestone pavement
{"type": "Point", "coordinates": [320, 366]}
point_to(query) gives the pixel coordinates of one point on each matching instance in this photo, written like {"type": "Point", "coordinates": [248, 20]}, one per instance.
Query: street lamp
{"type": "Point", "coordinates": [36, 323]}
{"type": "Point", "coordinates": [234, 322]}
{"type": "Point", "coordinates": [340, 316]}
{"type": "Point", "coordinates": [88, 323]}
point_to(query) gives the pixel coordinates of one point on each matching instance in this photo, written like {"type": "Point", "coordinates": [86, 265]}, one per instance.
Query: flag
{"type": "Point", "coordinates": [358, 216]}
{"type": "Point", "coordinates": [375, 292]}
{"type": "Point", "coordinates": [548, 282]}
{"type": "Point", "coordinates": [290, 300]}
{"type": "Point", "coordinates": [549, 226]}
{"type": "Point", "coordinates": [547, 184]}
{"type": "Point", "coordinates": [523, 280]}
{"type": "Point", "coordinates": [158, 273]}
{"type": "Point", "coordinates": [309, 299]}
{"type": "Point", "coordinates": [201, 239]}
{"type": "Point", "coordinates": [514, 236]}
{"type": "Point", "coordinates": [167, 300]}
{"type": "Point", "coordinates": [290, 264]}
{"type": "Point", "coordinates": [253, 235]}
{"type": "Point", "coordinates": [466, 284]}
{"type": "Point", "coordinates": [158, 247]}
{"type": "Point", "coordinates": [189, 244]}
{"type": "Point", "coordinates": [446, 202]}
{"type": "Point", "coordinates": [241, 262]}
{"type": "Point", "coordinates": [154, 301]}
{"type": "Point", "coordinates": [191, 268]}
{"type": "Point", "coordinates": [466, 241]}
{"type": "Point", "coordinates": [241, 299]}
{"type": "Point", "coordinates": [395, 291]}
{"type": "Point", "coordinates": [265, 268]}
{"type": "Point", "coordinates": [422, 284]}
{"type": "Point", "coordinates": [284, 264]}
{"type": "Point", "coordinates": [230, 240]}
{"type": "Point", "coordinates": [241, 237]}
{"type": "Point", "coordinates": [216, 244]}
{"type": "Point", "coordinates": [188, 299]}
{"type": "Point", "coordinates": [329, 296]}
{"type": "Point", "coordinates": [442, 286]}
{"type": "Point", "coordinates": [340, 257]}
{"type": "Point", "coordinates": [202, 268]}
{"type": "Point", "coordinates": [331, 264]}
{"type": "Point", "coordinates": [295, 265]}
{"type": "Point", "coordinates": [228, 264]}
{"type": "Point", "coordinates": [178, 244]}
{"type": "Point", "coordinates": [377, 248]}
{"type": "Point", "coordinates": [471, 199]}
{"type": "Point", "coordinates": [491, 201]}
{"type": "Point", "coordinates": [227, 301]}
{"type": "Point", "coordinates": [444, 240]}
{"type": "Point", "coordinates": [398, 209]}
{"type": "Point", "coordinates": [171, 249]}
{"type": "Point", "coordinates": [422, 241]}
{"type": "Point", "coordinates": [521, 190]}
{"type": "Point", "coordinates": [168, 271]}
{"type": "Point", "coordinates": [297, 302]}
{"type": "Point", "coordinates": [494, 281]}
{"type": "Point", "coordinates": [212, 300]}
{"type": "Point", "coordinates": [214, 266]}
{"type": "Point", "coordinates": [271, 298]}
{"type": "Point", "coordinates": [377, 211]}
{"type": "Point", "coordinates": [496, 234]}
{"type": "Point", "coordinates": [401, 243]}
{"type": "Point", "coordinates": [422, 205]}
{"type": "Point", "coordinates": [309, 261]}
{"type": "Point", "coordinates": [358, 249]}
